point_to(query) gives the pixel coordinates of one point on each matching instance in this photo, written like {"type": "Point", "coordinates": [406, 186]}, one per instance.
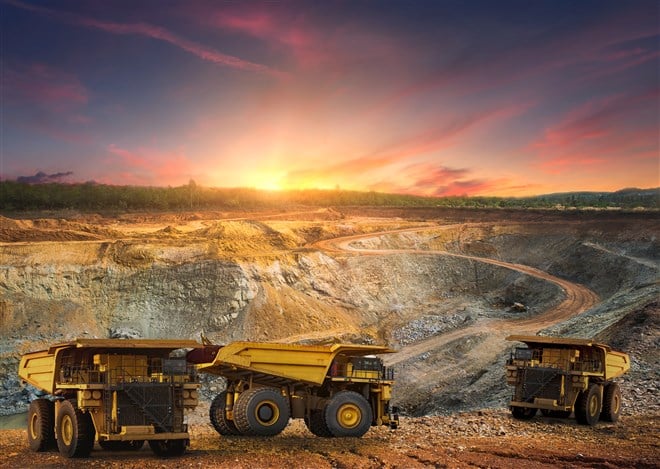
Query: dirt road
{"type": "Point", "coordinates": [578, 298]}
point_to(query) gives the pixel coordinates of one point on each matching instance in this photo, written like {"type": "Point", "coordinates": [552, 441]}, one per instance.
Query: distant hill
{"type": "Point", "coordinates": [624, 198]}
{"type": "Point", "coordinates": [17, 196]}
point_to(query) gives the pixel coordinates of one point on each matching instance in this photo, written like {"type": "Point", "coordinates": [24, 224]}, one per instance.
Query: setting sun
{"type": "Point", "coordinates": [268, 181]}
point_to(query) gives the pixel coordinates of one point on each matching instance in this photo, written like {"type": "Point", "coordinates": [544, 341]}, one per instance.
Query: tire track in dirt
{"type": "Point", "coordinates": [578, 298]}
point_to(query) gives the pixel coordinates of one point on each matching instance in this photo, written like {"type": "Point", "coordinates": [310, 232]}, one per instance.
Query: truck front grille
{"type": "Point", "coordinates": [157, 404]}
{"type": "Point", "coordinates": [544, 383]}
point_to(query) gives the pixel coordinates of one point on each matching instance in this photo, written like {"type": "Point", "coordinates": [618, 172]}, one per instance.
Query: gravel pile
{"type": "Point", "coordinates": [430, 325]}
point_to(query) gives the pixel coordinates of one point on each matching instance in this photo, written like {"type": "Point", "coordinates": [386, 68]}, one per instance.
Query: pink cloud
{"type": "Point", "coordinates": [306, 43]}
{"type": "Point", "coordinates": [313, 45]}
{"type": "Point", "coordinates": [155, 32]}
{"type": "Point", "coordinates": [429, 179]}
{"type": "Point", "coordinates": [146, 166]}
{"type": "Point", "coordinates": [44, 86]}
{"type": "Point", "coordinates": [622, 61]}
{"type": "Point", "coordinates": [442, 137]}
{"type": "Point", "coordinates": [393, 154]}
{"type": "Point", "coordinates": [46, 100]}
{"type": "Point", "coordinates": [598, 133]}
{"type": "Point", "coordinates": [257, 24]}
{"type": "Point", "coordinates": [571, 162]}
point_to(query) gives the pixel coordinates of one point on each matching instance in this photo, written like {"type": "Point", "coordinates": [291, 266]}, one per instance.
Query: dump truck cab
{"type": "Point", "coordinates": [560, 376]}
{"type": "Point", "coordinates": [119, 392]}
{"type": "Point", "coordinates": [339, 390]}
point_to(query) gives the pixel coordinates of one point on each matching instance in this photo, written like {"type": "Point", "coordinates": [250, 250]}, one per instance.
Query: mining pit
{"type": "Point", "coordinates": [444, 287]}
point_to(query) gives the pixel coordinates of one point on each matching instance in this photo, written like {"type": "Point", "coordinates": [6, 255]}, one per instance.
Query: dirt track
{"type": "Point", "coordinates": [578, 298]}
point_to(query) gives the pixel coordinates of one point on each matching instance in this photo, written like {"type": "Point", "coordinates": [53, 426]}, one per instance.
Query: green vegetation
{"type": "Point", "coordinates": [16, 196]}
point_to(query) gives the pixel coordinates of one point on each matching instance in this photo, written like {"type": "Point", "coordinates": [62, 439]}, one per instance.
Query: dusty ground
{"type": "Point", "coordinates": [483, 439]}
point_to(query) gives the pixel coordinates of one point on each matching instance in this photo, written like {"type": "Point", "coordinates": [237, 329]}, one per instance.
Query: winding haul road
{"type": "Point", "coordinates": [578, 298]}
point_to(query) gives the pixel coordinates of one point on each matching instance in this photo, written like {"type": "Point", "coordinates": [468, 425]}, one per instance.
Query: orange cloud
{"type": "Point", "coordinates": [441, 181]}
{"type": "Point", "coordinates": [359, 171]}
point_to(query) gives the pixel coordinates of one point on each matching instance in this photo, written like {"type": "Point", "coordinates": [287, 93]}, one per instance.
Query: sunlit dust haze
{"type": "Point", "coordinates": [502, 98]}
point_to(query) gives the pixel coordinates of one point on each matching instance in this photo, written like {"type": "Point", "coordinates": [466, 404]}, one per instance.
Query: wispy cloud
{"type": "Point", "coordinates": [45, 100]}
{"type": "Point", "coordinates": [620, 56]}
{"type": "Point", "coordinates": [599, 131]}
{"type": "Point", "coordinates": [424, 145]}
{"type": "Point", "coordinates": [147, 166]}
{"type": "Point", "coordinates": [314, 45]}
{"type": "Point", "coordinates": [431, 179]}
{"type": "Point", "coordinates": [605, 45]}
{"type": "Point", "coordinates": [155, 32]}
{"type": "Point", "coordinates": [44, 86]}
{"type": "Point", "coordinates": [305, 44]}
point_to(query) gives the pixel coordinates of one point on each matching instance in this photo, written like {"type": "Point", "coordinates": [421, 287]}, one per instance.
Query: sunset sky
{"type": "Point", "coordinates": [506, 98]}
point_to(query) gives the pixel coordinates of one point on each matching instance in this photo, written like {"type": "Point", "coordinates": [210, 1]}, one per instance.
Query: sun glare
{"type": "Point", "coordinates": [268, 181]}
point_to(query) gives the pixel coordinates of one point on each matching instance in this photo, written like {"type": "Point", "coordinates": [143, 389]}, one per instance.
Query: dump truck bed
{"type": "Point", "coordinates": [41, 368]}
{"type": "Point", "coordinates": [616, 363]}
{"type": "Point", "coordinates": [279, 364]}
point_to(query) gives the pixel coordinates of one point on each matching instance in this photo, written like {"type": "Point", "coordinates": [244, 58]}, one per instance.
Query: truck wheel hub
{"type": "Point", "coordinates": [267, 413]}
{"type": "Point", "coordinates": [349, 415]}
{"type": "Point", "coordinates": [34, 425]}
{"type": "Point", "coordinates": [593, 406]}
{"type": "Point", "coordinates": [67, 430]}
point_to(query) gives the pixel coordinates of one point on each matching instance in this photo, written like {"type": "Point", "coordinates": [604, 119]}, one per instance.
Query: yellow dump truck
{"type": "Point", "coordinates": [119, 392]}
{"type": "Point", "coordinates": [560, 376]}
{"type": "Point", "coordinates": [339, 390]}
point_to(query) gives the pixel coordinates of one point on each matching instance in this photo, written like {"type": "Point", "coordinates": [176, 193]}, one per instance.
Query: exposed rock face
{"type": "Point", "coordinates": [158, 300]}
{"type": "Point", "coordinates": [248, 280]}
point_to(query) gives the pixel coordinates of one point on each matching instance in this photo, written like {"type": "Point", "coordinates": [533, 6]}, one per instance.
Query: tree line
{"type": "Point", "coordinates": [15, 196]}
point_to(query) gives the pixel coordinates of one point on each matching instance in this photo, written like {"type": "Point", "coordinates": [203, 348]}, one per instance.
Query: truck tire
{"type": "Point", "coordinates": [132, 445]}
{"type": "Point", "coordinates": [219, 419]}
{"type": "Point", "coordinates": [41, 425]}
{"type": "Point", "coordinates": [348, 414]}
{"type": "Point", "coordinates": [611, 403]}
{"type": "Point", "coordinates": [523, 413]}
{"type": "Point", "coordinates": [588, 406]}
{"type": "Point", "coordinates": [316, 423]}
{"type": "Point", "coordinates": [261, 412]}
{"type": "Point", "coordinates": [75, 431]}
{"type": "Point", "coordinates": [168, 448]}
